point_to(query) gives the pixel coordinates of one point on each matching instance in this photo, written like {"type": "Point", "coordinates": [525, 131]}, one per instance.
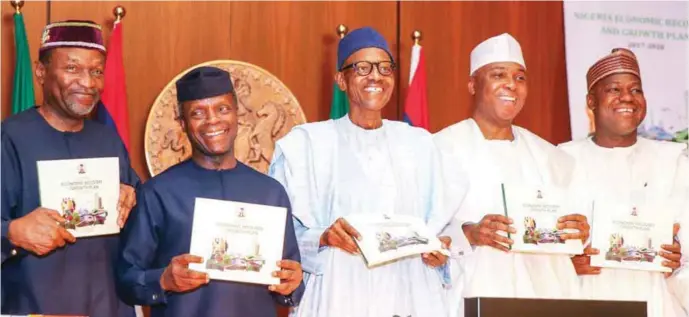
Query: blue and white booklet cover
{"type": "Point", "coordinates": [238, 241]}
{"type": "Point", "coordinates": [84, 191]}
{"type": "Point", "coordinates": [629, 236]}
{"type": "Point", "coordinates": [388, 237]}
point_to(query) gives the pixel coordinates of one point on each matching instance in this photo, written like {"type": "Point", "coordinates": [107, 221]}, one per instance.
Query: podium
{"type": "Point", "coordinates": [518, 307]}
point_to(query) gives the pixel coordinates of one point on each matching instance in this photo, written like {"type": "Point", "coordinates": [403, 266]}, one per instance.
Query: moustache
{"type": "Point", "coordinates": [90, 93]}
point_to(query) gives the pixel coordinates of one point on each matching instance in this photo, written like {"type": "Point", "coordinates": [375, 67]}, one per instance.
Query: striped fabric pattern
{"type": "Point", "coordinates": [619, 61]}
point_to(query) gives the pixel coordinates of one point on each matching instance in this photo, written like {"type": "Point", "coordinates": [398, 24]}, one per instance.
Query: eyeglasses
{"type": "Point", "coordinates": [363, 68]}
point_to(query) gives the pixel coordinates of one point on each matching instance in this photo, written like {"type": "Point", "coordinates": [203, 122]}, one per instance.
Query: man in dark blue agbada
{"type": "Point", "coordinates": [153, 266]}
{"type": "Point", "coordinates": [45, 270]}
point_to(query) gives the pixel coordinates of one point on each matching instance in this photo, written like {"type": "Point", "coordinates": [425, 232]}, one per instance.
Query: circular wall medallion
{"type": "Point", "coordinates": [267, 111]}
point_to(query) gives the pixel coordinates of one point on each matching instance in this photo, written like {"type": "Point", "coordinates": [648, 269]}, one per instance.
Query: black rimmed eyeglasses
{"type": "Point", "coordinates": [363, 68]}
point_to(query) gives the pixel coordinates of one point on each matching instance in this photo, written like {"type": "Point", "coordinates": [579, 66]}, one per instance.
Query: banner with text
{"type": "Point", "coordinates": [657, 33]}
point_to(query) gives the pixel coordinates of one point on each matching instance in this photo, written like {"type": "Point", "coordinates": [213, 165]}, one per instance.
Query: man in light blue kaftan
{"type": "Point", "coordinates": [363, 164]}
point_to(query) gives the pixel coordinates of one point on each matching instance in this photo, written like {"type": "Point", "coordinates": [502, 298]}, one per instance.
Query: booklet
{"type": "Point", "coordinates": [535, 211]}
{"type": "Point", "coordinates": [629, 236]}
{"type": "Point", "coordinates": [238, 241]}
{"type": "Point", "coordinates": [84, 191]}
{"type": "Point", "coordinates": [385, 238]}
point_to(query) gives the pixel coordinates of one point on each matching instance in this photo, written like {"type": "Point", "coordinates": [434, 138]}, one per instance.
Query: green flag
{"type": "Point", "coordinates": [340, 104]}
{"type": "Point", "coordinates": [22, 95]}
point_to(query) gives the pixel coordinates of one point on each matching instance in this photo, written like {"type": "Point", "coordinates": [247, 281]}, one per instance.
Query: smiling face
{"type": "Point", "coordinates": [618, 105]}
{"type": "Point", "coordinates": [72, 79]}
{"type": "Point", "coordinates": [499, 91]}
{"type": "Point", "coordinates": [370, 92]}
{"type": "Point", "coordinates": [211, 124]}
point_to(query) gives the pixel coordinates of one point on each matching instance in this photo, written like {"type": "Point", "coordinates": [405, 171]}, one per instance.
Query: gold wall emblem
{"type": "Point", "coordinates": [267, 111]}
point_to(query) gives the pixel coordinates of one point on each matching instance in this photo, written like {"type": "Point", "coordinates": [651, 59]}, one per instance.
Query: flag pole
{"type": "Point", "coordinates": [341, 30]}
{"type": "Point", "coordinates": [339, 105]}
{"type": "Point", "coordinates": [112, 109]}
{"type": "Point", "coordinates": [23, 90]}
{"type": "Point", "coordinates": [416, 36]}
{"type": "Point", "coordinates": [119, 12]}
{"type": "Point", "coordinates": [416, 105]}
{"type": "Point", "coordinates": [17, 5]}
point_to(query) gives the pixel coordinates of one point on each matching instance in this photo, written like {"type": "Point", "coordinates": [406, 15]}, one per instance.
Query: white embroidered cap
{"type": "Point", "coordinates": [501, 48]}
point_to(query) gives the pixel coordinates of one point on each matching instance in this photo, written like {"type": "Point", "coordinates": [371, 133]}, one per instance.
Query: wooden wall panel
{"type": "Point", "coordinates": [161, 40]}
{"type": "Point", "coordinates": [34, 20]}
{"type": "Point", "coordinates": [452, 29]}
{"type": "Point", "coordinates": [297, 42]}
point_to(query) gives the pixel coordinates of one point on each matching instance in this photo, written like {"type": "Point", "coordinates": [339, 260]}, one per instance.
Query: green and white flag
{"type": "Point", "coordinates": [23, 93]}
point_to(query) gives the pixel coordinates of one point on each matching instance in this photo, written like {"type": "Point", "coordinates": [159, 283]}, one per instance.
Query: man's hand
{"type": "Point", "coordinates": [177, 276]}
{"type": "Point", "coordinates": [485, 232]}
{"type": "Point", "coordinates": [575, 221]}
{"type": "Point", "coordinates": [435, 258]}
{"type": "Point", "coordinates": [125, 203]}
{"type": "Point", "coordinates": [673, 254]}
{"type": "Point", "coordinates": [582, 263]}
{"type": "Point", "coordinates": [290, 277]}
{"type": "Point", "coordinates": [39, 232]}
{"type": "Point", "coordinates": [340, 235]}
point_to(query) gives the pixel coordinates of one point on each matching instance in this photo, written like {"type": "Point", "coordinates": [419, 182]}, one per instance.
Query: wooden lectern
{"type": "Point", "coordinates": [518, 307]}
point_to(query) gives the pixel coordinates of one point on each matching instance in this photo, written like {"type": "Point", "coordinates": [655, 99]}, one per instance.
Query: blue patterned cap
{"type": "Point", "coordinates": [358, 39]}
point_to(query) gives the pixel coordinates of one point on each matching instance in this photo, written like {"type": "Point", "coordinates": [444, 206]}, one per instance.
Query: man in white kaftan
{"type": "Point", "coordinates": [490, 150]}
{"type": "Point", "coordinates": [614, 164]}
{"type": "Point", "coordinates": [362, 164]}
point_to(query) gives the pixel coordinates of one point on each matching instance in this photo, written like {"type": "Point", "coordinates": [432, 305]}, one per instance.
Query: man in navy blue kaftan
{"type": "Point", "coordinates": [45, 270]}
{"type": "Point", "coordinates": [153, 267]}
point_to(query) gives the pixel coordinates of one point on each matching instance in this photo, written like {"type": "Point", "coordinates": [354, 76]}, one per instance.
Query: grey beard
{"type": "Point", "coordinates": [78, 110]}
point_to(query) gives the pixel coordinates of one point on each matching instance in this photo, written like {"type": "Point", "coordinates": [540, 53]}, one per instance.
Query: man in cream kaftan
{"type": "Point", "coordinates": [362, 164]}
{"type": "Point", "coordinates": [648, 171]}
{"type": "Point", "coordinates": [528, 160]}
{"type": "Point", "coordinates": [616, 164]}
{"type": "Point", "coordinates": [488, 150]}
{"type": "Point", "coordinates": [679, 283]}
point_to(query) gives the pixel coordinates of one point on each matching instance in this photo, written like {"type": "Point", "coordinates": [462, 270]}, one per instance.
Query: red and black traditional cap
{"type": "Point", "coordinates": [619, 61]}
{"type": "Point", "coordinates": [72, 33]}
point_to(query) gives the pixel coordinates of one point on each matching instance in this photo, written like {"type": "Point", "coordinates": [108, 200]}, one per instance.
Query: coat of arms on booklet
{"type": "Point", "coordinates": [629, 237]}
{"type": "Point", "coordinates": [84, 191]}
{"type": "Point", "coordinates": [385, 238]}
{"type": "Point", "coordinates": [238, 241]}
{"type": "Point", "coordinates": [535, 211]}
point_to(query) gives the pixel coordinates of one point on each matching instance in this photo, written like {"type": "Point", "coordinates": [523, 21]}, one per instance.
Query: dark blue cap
{"type": "Point", "coordinates": [203, 82]}
{"type": "Point", "coordinates": [358, 39]}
